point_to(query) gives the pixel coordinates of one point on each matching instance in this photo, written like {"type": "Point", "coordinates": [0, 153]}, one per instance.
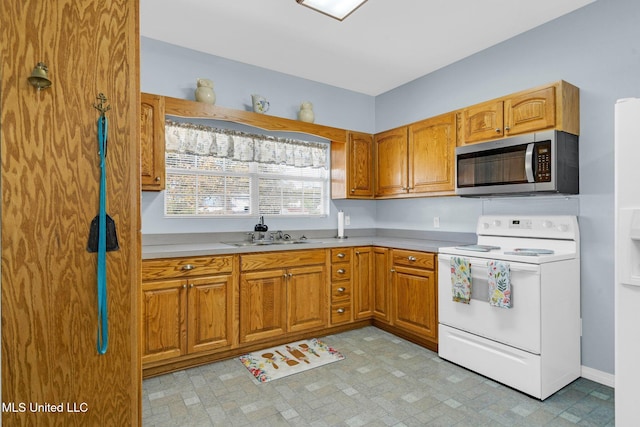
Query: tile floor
{"type": "Point", "coordinates": [384, 381]}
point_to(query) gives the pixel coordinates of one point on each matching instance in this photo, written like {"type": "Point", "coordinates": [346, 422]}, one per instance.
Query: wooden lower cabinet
{"type": "Point", "coordinates": [414, 293]}
{"type": "Point", "coordinates": [363, 283]}
{"type": "Point", "coordinates": [381, 285]}
{"type": "Point", "coordinates": [186, 316]}
{"type": "Point", "coordinates": [263, 298]}
{"type": "Point", "coordinates": [278, 296]}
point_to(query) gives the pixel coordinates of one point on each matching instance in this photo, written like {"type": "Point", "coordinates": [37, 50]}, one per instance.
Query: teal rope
{"type": "Point", "coordinates": [103, 324]}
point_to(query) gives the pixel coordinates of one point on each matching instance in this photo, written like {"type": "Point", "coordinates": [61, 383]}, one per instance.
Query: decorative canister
{"type": "Point", "coordinates": [204, 91]}
{"type": "Point", "coordinates": [306, 112]}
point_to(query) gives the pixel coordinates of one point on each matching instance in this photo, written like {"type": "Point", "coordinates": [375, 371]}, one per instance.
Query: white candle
{"type": "Point", "coordinates": [340, 224]}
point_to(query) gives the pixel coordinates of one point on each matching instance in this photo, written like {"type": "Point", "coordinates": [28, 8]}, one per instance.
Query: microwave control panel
{"type": "Point", "coordinates": [542, 161]}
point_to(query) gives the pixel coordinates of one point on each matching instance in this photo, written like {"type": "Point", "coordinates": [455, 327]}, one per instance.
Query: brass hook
{"type": "Point", "coordinates": [100, 107]}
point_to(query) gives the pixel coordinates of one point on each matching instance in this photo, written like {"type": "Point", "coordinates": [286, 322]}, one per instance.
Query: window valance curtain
{"type": "Point", "coordinates": [189, 138]}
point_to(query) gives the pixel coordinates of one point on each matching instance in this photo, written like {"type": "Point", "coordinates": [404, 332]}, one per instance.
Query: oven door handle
{"type": "Point", "coordinates": [481, 263]}
{"type": "Point", "coordinates": [528, 163]}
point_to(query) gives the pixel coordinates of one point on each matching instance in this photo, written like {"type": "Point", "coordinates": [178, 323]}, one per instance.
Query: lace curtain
{"type": "Point", "coordinates": [188, 138]}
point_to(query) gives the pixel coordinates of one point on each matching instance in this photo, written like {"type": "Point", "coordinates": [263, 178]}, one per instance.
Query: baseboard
{"type": "Point", "coordinates": [603, 378]}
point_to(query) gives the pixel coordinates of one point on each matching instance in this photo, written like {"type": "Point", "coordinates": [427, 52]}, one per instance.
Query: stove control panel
{"type": "Point", "coordinates": [563, 227]}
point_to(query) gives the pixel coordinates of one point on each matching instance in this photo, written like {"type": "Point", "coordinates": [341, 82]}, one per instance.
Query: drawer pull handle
{"type": "Point", "coordinates": [340, 310]}
{"type": "Point", "coordinates": [340, 255]}
{"type": "Point", "coordinates": [393, 270]}
{"type": "Point", "coordinates": [188, 267]}
{"type": "Point", "coordinates": [341, 271]}
{"type": "Point", "coordinates": [341, 289]}
{"type": "Point", "coordinates": [411, 258]}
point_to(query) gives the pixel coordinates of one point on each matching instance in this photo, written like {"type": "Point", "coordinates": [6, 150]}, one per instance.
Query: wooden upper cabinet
{"type": "Point", "coordinates": [152, 142]}
{"type": "Point", "coordinates": [352, 167]}
{"type": "Point", "coordinates": [530, 111]}
{"type": "Point", "coordinates": [432, 145]}
{"type": "Point", "coordinates": [391, 162]}
{"type": "Point", "coordinates": [360, 172]}
{"type": "Point", "coordinates": [483, 122]}
{"type": "Point", "coordinates": [553, 106]}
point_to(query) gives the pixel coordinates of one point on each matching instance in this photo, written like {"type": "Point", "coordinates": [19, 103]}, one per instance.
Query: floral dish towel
{"type": "Point", "coordinates": [461, 279]}
{"type": "Point", "coordinates": [499, 284]}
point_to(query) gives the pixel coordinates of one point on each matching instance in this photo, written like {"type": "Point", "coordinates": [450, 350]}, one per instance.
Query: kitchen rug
{"type": "Point", "coordinates": [281, 361]}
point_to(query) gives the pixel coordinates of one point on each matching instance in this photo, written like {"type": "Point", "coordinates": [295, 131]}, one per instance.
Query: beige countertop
{"type": "Point", "coordinates": [173, 250]}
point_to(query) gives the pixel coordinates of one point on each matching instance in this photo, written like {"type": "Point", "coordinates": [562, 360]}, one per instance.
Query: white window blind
{"type": "Point", "coordinates": [218, 172]}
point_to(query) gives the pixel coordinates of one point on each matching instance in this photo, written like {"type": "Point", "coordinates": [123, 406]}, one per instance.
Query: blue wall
{"type": "Point", "coordinates": [596, 48]}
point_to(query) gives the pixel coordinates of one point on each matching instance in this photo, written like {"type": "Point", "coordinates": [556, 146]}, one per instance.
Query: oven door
{"type": "Point", "coordinates": [518, 326]}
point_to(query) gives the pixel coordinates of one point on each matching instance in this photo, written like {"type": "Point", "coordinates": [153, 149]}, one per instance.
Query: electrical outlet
{"type": "Point", "coordinates": [436, 222]}
{"type": "Point", "coordinates": [347, 220]}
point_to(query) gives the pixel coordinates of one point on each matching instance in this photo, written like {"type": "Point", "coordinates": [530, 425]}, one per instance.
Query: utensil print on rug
{"type": "Point", "coordinates": [297, 354]}
{"type": "Point", "coordinates": [308, 349]}
{"type": "Point", "coordinates": [289, 362]}
{"type": "Point", "coordinates": [269, 357]}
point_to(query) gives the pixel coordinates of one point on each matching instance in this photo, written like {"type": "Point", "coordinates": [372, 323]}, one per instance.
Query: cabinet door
{"type": "Point", "coordinates": [163, 320]}
{"type": "Point", "coordinates": [414, 301]}
{"type": "Point", "coordinates": [432, 145]}
{"type": "Point", "coordinates": [306, 289]}
{"type": "Point", "coordinates": [262, 305]}
{"type": "Point", "coordinates": [530, 111]}
{"type": "Point", "coordinates": [209, 310]}
{"type": "Point", "coordinates": [483, 122]}
{"type": "Point", "coordinates": [381, 275]}
{"type": "Point", "coordinates": [360, 171]}
{"type": "Point", "coordinates": [391, 162]}
{"type": "Point", "coordinates": [363, 283]}
{"type": "Point", "coordinates": [152, 142]}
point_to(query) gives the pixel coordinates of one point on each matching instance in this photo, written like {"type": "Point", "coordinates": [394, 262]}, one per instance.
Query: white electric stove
{"type": "Point", "coordinates": [533, 346]}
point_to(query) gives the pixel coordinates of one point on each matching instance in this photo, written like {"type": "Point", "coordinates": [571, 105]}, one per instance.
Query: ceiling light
{"type": "Point", "coordinates": [338, 9]}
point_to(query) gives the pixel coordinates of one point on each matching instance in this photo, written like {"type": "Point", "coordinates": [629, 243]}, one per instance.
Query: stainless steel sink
{"type": "Point", "coordinates": [265, 242]}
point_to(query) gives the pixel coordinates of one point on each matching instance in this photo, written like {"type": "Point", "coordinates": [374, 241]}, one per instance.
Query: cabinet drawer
{"type": "Point", "coordinates": [341, 271]}
{"type": "Point", "coordinates": [186, 267]}
{"type": "Point", "coordinates": [414, 259]}
{"type": "Point", "coordinates": [270, 260]}
{"type": "Point", "coordinates": [341, 313]}
{"type": "Point", "coordinates": [340, 291]}
{"type": "Point", "coordinates": [341, 254]}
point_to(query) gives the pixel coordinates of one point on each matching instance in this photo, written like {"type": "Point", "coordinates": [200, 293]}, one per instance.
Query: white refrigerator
{"type": "Point", "coordinates": [627, 261]}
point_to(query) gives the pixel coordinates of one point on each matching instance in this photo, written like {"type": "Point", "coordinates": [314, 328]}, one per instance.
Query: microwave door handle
{"type": "Point", "coordinates": [528, 162]}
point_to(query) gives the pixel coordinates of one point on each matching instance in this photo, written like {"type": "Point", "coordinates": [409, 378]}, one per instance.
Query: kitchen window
{"type": "Point", "coordinates": [213, 172]}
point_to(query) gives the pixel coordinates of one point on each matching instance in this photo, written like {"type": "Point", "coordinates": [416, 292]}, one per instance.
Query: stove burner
{"type": "Point", "coordinates": [478, 248]}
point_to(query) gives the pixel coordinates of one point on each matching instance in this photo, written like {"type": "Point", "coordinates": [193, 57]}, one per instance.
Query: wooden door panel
{"type": "Point", "coordinates": [152, 142]}
{"type": "Point", "coordinates": [306, 291]}
{"type": "Point", "coordinates": [381, 296]}
{"type": "Point", "coordinates": [432, 146]}
{"type": "Point", "coordinates": [414, 298]}
{"type": "Point", "coordinates": [483, 122]}
{"type": "Point", "coordinates": [360, 164]}
{"type": "Point", "coordinates": [262, 305]}
{"type": "Point", "coordinates": [531, 111]}
{"type": "Point", "coordinates": [210, 305]}
{"type": "Point", "coordinates": [391, 162]}
{"type": "Point", "coordinates": [163, 320]}
{"type": "Point", "coordinates": [364, 296]}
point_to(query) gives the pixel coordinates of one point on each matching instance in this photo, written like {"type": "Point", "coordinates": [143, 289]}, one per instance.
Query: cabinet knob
{"type": "Point", "coordinates": [184, 286]}
{"type": "Point", "coordinates": [353, 190]}
{"type": "Point", "coordinates": [341, 289]}
{"type": "Point", "coordinates": [290, 274]}
{"type": "Point", "coordinates": [191, 285]}
{"type": "Point", "coordinates": [507, 128]}
{"type": "Point", "coordinates": [157, 179]}
{"type": "Point", "coordinates": [188, 267]}
{"type": "Point", "coordinates": [411, 258]}
{"type": "Point", "coordinates": [357, 252]}
{"type": "Point", "coordinates": [341, 271]}
{"type": "Point", "coordinates": [393, 270]}
{"type": "Point", "coordinates": [340, 255]}
{"type": "Point", "coordinates": [497, 130]}
{"type": "Point", "coordinates": [340, 310]}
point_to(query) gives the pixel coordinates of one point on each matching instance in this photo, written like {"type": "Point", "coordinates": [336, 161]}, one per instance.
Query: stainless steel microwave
{"type": "Point", "coordinates": [537, 163]}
